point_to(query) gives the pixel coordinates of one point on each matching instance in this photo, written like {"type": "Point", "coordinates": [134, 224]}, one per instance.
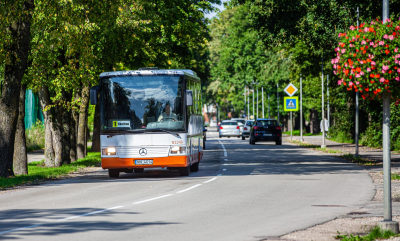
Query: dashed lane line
{"type": "Point", "coordinates": [211, 180]}
{"type": "Point", "coordinates": [190, 188]}
{"type": "Point", "coordinates": [151, 199]}
{"type": "Point", "coordinates": [91, 213]}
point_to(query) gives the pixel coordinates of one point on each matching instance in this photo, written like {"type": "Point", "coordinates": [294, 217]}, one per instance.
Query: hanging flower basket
{"type": "Point", "coordinates": [368, 59]}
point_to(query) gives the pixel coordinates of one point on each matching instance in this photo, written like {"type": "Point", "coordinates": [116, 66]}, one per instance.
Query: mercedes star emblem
{"type": "Point", "coordinates": [143, 152]}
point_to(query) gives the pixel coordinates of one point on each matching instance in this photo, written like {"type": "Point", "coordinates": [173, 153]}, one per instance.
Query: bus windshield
{"type": "Point", "coordinates": [132, 103]}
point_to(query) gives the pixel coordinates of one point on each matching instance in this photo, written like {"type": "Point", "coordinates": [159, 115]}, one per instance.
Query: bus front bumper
{"type": "Point", "coordinates": [170, 161]}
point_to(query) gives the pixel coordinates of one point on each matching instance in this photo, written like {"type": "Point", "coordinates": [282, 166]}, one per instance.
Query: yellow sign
{"type": "Point", "coordinates": [290, 89]}
{"type": "Point", "coordinates": [291, 103]}
{"type": "Point", "coordinates": [115, 123]}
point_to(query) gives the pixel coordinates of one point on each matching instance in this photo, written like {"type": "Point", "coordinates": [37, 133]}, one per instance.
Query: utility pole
{"type": "Point", "coordinates": [257, 104]}
{"type": "Point", "coordinates": [357, 108]}
{"type": "Point", "coordinates": [301, 109]}
{"type": "Point", "coordinates": [262, 97]}
{"type": "Point", "coordinates": [327, 98]}
{"type": "Point", "coordinates": [323, 114]}
{"type": "Point", "coordinates": [245, 100]}
{"type": "Point", "coordinates": [387, 223]}
{"type": "Point", "coordinates": [248, 103]}
{"type": "Point", "coordinates": [269, 113]}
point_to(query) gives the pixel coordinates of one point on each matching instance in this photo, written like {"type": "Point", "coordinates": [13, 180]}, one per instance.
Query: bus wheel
{"type": "Point", "coordinates": [113, 173]}
{"type": "Point", "coordinates": [195, 167]}
{"type": "Point", "coordinates": [184, 171]}
{"type": "Point", "coordinates": [138, 170]}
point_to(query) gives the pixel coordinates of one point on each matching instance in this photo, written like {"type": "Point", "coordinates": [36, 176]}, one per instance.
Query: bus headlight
{"type": "Point", "coordinates": [111, 151]}
{"type": "Point", "coordinates": [178, 150]}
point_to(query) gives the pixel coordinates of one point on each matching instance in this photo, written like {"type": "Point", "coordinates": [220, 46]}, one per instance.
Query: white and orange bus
{"type": "Point", "coordinates": [149, 118]}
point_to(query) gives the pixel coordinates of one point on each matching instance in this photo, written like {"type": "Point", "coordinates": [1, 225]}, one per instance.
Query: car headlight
{"type": "Point", "coordinates": [111, 151]}
{"type": "Point", "coordinates": [178, 150]}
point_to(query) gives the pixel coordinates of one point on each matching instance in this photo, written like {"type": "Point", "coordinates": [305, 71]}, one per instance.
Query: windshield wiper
{"type": "Point", "coordinates": [170, 132]}
{"type": "Point", "coordinates": [124, 132]}
{"type": "Point", "coordinates": [142, 131]}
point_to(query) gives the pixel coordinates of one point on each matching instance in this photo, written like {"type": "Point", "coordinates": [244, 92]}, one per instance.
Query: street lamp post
{"type": "Point", "coordinates": [357, 108]}
{"type": "Point", "coordinates": [323, 114]}
{"type": "Point", "coordinates": [269, 112]}
{"type": "Point", "coordinates": [387, 223]}
{"type": "Point", "coordinates": [262, 100]}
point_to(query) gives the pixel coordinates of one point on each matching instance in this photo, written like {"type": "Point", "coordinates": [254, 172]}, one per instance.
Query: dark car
{"type": "Point", "coordinates": [266, 130]}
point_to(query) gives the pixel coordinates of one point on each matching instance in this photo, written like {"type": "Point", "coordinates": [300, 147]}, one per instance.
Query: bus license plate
{"type": "Point", "coordinates": [143, 162]}
{"type": "Point", "coordinates": [267, 134]}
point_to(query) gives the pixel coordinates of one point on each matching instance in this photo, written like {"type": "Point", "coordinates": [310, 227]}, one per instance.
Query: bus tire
{"type": "Point", "coordinates": [204, 144]}
{"type": "Point", "coordinates": [138, 170]}
{"type": "Point", "coordinates": [113, 173]}
{"type": "Point", "coordinates": [195, 167]}
{"type": "Point", "coordinates": [278, 142]}
{"type": "Point", "coordinates": [184, 171]}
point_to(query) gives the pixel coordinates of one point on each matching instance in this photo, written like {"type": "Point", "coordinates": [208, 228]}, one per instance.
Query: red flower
{"type": "Point", "coordinates": [354, 55]}
{"type": "Point", "coordinates": [372, 81]}
{"type": "Point", "coordinates": [387, 51]}
{"type": "Point", "coordinates": [390, 71]}
{"type": "Point", "coordinates": [351, 76]}
{"type": "Point", "coordinates": [366, 89]}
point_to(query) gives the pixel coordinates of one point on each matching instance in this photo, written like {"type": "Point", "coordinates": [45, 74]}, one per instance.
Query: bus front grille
{"type": "Point", "coordinates": [142, 152]}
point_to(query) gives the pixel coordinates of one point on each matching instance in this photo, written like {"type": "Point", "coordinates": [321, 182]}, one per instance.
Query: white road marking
{"type": "Point", "coordinates": [219, 175]}
{"type": "Point", "coordinates": [223, 170]}
{"type": "Point", "coordinates": [87, 214]}
{"type": "Point", "coordinates": [151, 199]}
{"type": "Point", "coordinates": [189, 188]}
{"type": "Point", "coordinates": [223, 147]}
{"type": "Point", "coordinates": [210, 180]}
{"type": "Point", "coordinates": [18, 229]}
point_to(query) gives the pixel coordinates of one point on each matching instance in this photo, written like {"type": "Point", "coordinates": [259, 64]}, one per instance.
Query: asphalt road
{"type": "Point", "coordinates": [241, 192]}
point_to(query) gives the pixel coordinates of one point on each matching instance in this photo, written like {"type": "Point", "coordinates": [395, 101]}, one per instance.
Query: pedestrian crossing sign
{"type": "Point", "coordinates": [291, 103]}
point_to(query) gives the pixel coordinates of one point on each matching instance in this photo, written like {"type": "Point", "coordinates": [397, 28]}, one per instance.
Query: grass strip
{"type": "Point", "coordinates": [37, 172]}
{"type": "Point", "coordinates": [375, 234]}
{"type": "Point", "coordinates": [348, 157]}
{"type": "Point", "coordinates": [297, 133]}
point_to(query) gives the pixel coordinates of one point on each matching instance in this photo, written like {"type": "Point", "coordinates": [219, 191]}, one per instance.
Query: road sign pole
{"type": "Point", "coordinates": [253, 104]}
{"type": "Point", "coordinates": [357, 109]}
{"type": "Point", "coordinates": [291, 125]}
{"type": "Point", "coordinates": [323, 114]}
{"type": "Point", "coordinates": [301, 109]}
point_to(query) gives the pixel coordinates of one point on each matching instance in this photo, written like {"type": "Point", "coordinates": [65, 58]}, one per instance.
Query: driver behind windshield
{"type": "Point", "coordinates": [167, 115]}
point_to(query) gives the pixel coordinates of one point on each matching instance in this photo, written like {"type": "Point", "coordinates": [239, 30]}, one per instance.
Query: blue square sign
{"type": "Point", "coordinates": [291, 103]}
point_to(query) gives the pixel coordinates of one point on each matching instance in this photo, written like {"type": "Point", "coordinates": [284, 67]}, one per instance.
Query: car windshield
{"type": "Point", "coordinates": [267, 123]}
{"type": "Point", "coordinates": [241, 121]}
{"type": "Point", "coordinates": [229, 123]}
{"type": "Point", "coordinates": [132, 103]}
{"type": "Point", "coordinates": [249, 123]}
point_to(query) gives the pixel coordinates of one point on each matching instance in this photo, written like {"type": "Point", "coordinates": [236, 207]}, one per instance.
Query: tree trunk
{"type": "Point", "coordinates": [53, 136]}
{"type": "Point", "coordinates": [48, 139]}
{"type": "Point", "coordinates": [82, 121]}
{"type": "Point", "coordinates": [20, 160]}
{"type": "Point", "coordinates": [65, 130]}
{"type": "Point", "coordinates": [18, 51]}
{"type": "Point", "coordinates": [314, 123]}
{"type": "Point", "coordinates": [72, 136]}
{"type": "Point", "coordinates": [96, 130]}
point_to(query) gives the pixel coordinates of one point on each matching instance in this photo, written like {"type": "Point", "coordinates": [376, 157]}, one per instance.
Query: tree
{"type": "Point", "coordinates": [15, 30]}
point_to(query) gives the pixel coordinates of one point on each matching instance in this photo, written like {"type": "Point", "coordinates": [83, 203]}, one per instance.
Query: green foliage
{"type": "Point", "coordinates": [395, 176]}
{"type": "Point", "coordinates": [297, 133]}
{"type": "Point", "coordinates": [340, 136]}
{"type": "Point", "coordinates": [374, 234]}
{"type": "Point", "coordinates": [238, 58]}
{"type": "Point", "coordinates": [35, 137]}
{"type": "Point", "coordinates": [39, 173]}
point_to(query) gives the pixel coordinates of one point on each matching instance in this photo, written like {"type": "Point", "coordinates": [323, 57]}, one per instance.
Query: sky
{"type": "Point", "coordinates": [221, 7]}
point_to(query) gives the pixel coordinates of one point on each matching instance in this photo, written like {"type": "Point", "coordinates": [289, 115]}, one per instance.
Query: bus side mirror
{"type": "Point", "coordinates": [189, 98]}
{"type": "Point", "coordinates": [93, 94]}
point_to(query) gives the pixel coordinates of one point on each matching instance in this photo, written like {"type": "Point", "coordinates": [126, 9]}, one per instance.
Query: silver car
{"type": "Point", "coordinates": [246, 129]}
{"type": "Point", "coordinates": [229, 128]}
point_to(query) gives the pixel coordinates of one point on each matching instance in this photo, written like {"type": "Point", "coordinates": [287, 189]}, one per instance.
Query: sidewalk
{"type": "Point", "coordinates": [369, 153]}
{"type": "Point", "coordinates": [38, 155]}
{"type": "Point", "coordinates": [367, 216]}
